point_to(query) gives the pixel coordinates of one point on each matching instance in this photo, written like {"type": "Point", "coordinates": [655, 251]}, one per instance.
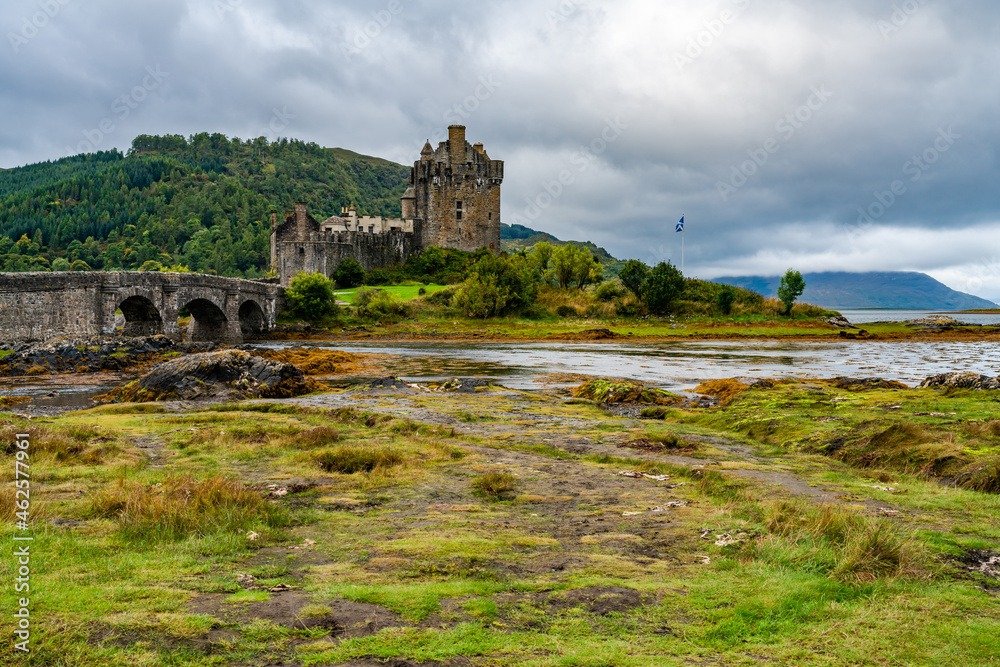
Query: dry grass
{"type": "Point", "coordinates": [496, 485]}
{"type": "Point", "coordinates": [351, 460]}
{"type": "Point", "coordinates": [183, 506]}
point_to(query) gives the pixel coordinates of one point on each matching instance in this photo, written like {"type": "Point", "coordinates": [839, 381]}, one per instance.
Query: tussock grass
{"type": "Point", "coordinates": [183, 506]}
{"type": "Point", "coordinates": [75, 444]}
{"type": "Point", "coordinates": [351, 460]}
{"type": "Point", "coordinates": [496, 485]}
{"type": "Point", "coordinates": [840, 541]}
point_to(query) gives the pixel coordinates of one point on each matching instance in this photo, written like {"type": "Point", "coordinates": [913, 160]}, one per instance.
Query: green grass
{"type": "Point", "coordinates": [400, 292]}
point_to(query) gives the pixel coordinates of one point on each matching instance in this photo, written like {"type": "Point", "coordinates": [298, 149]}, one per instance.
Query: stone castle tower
{"type": "Point", "coordinates": [455, 192]}
{"type": "Point", "coordinates": [453, 201]}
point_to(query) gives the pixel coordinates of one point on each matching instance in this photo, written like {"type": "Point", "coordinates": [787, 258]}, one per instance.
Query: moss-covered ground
{"type": "Point", "coordinates": [496, 527]}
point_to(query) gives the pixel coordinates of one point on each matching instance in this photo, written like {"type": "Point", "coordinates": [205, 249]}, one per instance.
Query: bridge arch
{"type": "Point", "coordinates": [208, 321]}
{"type": "Point", "coordinates": [253, 320]}
{"type": "Point", "coordinates": [142, 317]}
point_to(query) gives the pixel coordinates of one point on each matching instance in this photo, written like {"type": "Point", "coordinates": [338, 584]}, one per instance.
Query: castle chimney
{"type": "Point", "coordinates": [274, 218]}
{"type": "Point", "coordinates": [456, 144]}
{"type": "Point", "coordinates": [479, 148]}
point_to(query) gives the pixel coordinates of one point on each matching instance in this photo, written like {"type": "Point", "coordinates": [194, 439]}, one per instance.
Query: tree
{"type": "Point", "coordinates": [791, 288]}
{"type": "Point", "coordinates": [634, 275]}
{"type": "Point", "coordinates": [588, 269]}
{"type": "Point", "coordinates": [310, 296]}
{"type": "Point", "coordinates": [349, 273]}
{"type": "Point", "coordinates": [541, 255]}
{"type": "Point", "coordinates": [664, 285]}
{"type": "Point", "coordinates": [725, 298]}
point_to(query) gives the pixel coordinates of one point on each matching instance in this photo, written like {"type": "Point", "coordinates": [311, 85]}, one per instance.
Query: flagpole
{"type": "Point", "coordinates": [682, 245]}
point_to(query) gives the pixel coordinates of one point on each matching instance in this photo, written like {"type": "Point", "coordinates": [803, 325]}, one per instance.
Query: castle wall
{"type": "Point", "coordinates": [323, 251]}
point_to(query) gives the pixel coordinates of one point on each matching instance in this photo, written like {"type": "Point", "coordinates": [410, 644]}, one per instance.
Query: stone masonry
{"type": "Point", "coordinates": [41, 306]}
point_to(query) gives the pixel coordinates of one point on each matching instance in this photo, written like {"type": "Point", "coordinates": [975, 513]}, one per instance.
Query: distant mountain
{"type": "Point", "coordinates": [895, 289]}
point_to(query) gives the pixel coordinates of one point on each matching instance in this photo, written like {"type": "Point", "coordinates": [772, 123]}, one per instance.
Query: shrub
{"type": "Point", "coordinates": [497, 286]}
{"type": "Point", "coordinates": [444, 297]}
{"type": "Point", "coordinates": [349, 273]}
{"type": "Point", "coordinates": [310, 296]}
{"type": "Point", "coordinates": [566, 311]}
{"type": "Point", "coordinates": [379, 277]}
{"type": "Point", "coordinates": [724, 299]}
{"type": "Point", "coordinates": [664, 285]}
{"type": "Point", "coordinates": [380, 305]}
{"type": "Point", "coordinates": [633, 276]}
{"type": "Point", "coordinates": [422, 291]}
{"type": "Point", "coordinates": [610, 290]}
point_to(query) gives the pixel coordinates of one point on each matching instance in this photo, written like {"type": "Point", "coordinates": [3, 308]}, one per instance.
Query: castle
{"type": "Point", "coordinates": [453, 201]}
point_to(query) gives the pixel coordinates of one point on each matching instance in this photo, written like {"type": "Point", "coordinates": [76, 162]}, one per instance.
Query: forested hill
{"type": "Point", "coordinates": [203, 202]}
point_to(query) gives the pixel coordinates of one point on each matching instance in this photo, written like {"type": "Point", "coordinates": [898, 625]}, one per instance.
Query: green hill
{"type": "Point", "coordinates": [893, 289]}
{"type": "Point", "coordinates": [202, 202]}
{"type": "Point", "coordinates": [517, 237]}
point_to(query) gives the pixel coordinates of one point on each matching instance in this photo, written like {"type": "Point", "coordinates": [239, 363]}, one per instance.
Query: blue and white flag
{"type": "Point", "coordinates": [680, 225]}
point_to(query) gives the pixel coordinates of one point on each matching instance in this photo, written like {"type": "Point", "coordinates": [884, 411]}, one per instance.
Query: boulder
{"type": "Point", "coordinates": [227, 374]}
{"type": "Point", "coordinates": [865, 384]}
{"type": "Point", "coordinates": [962, 381]}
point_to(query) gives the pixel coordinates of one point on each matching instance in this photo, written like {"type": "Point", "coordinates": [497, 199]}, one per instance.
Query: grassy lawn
{"type": "Point", "coordinates": [401, 292]}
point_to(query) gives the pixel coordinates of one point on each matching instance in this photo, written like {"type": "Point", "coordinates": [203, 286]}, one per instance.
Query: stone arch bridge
{"type": "Point", "coordinates": [39, 306]}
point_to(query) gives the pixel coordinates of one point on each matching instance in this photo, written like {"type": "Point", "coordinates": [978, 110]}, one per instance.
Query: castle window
{"type": "Point", "coordinates": [458, 210]}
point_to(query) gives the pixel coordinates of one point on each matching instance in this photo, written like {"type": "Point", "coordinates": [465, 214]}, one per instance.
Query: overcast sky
{"type": "Point", "coordinates": [850, 135]}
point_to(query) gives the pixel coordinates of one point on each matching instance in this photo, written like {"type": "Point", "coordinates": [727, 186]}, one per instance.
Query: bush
{"type": "Point", "coordinates": [380, 305]}
{"type": "Point", "coordinates": [724, 299]}
{"type": "Point", "coordinates": [422, 291]}
{"type": "Point", "coordinates": [664, 285]}
{"type": "Point", "coordinates": [610, 290]}
{"type": "Point", "coordinates": [310, 296]}
{"type": "Point", "coordinates": [633, 276]}
{"type": "Point", "coordinates": [444, 297]}
{"type": "Point", "coordinates": [349, 273]}
{"type": "Point", "coordinates": [380, 277]}
{"type": "Point", "coordinates": [498, 286]}
{"type": "Point", "coordinates": [566, 311]}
